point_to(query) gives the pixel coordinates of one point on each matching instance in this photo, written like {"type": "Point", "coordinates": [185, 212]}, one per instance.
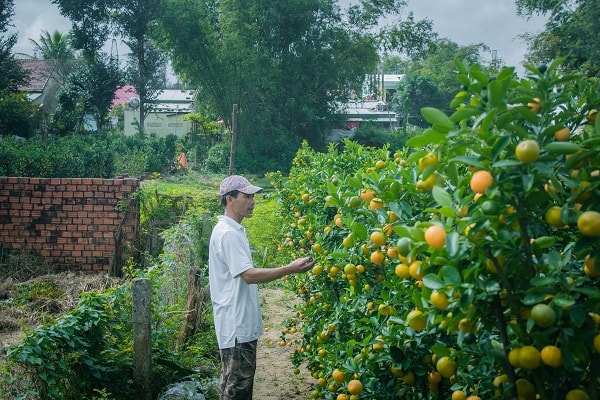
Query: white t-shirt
{"type": "Point", "coordinates": [236, 305]}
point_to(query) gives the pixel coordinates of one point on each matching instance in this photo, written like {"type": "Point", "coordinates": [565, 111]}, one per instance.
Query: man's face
{"type": "Point", "coordinates": [240, 207]}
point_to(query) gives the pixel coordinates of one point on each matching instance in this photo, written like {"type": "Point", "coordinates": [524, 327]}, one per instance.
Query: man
{"type": "Point", "coordinates": [234, 291]}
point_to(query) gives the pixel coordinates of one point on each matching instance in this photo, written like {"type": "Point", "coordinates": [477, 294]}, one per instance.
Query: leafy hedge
{"type": "Point", "coordinates": [85, 156]}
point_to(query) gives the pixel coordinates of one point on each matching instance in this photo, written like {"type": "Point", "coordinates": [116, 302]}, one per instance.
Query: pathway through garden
{"type": "Point", "coordinates": [275, 379]}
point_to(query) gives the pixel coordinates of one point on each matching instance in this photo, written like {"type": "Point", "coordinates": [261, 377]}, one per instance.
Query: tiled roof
{"type": "Point", "coordinates": [39, 74]}
{"type": "Point", "coordinates": [123, 94]}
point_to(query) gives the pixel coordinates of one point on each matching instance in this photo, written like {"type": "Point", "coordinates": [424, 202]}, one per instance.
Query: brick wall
{"type": "Point", "coordinates": [71, 222]}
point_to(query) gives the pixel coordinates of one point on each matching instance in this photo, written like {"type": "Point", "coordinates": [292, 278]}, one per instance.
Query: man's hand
{"type": "Point", "coordinates": [301, 264]}
{"type": "Point", "coordinates": [264, 275]}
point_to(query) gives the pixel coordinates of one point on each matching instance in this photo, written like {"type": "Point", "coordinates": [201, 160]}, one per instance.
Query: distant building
{"type": "Point", "coordinates": [373, 108]}
{"type": "Point", "coordinates": [165, 115]}
{"type": "Point", "coordinates": [42, 88]}
{"type": "Point", "coordinates": [373, 84]}
{"type": "Point", "coordinates": [374, 111]}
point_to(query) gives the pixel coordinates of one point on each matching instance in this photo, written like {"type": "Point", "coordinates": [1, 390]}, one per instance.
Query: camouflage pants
{"type": "Point", "coordinates": [238, 365]}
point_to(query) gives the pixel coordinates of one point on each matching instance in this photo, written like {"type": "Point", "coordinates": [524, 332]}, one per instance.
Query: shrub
{"type": "Point", "coordinates": [18, 116]}
{"type": "Point", "coordinates": [83, 350]}
{"type": "Point", "coordinates": [138, 154]}
{"type": "Point", "coordinates": [217, 160]}
{"type": "Point", "coordinates": [72, 156]}
{"type": "Point", "coordinates": [263, 233]}
{"type": "Point", "coordinates": [369, 135]}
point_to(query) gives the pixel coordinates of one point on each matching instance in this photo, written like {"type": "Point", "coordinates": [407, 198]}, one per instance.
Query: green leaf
{"type": "Point", "coordinates": [396, 354]}
{"type": "Point", "coordinates": [429, 136]}
{"type": "Point", "coordinates": [468, 161]}
{"type": "Point", "coordinates": [544, 242]}
{"type": "Point", "coordinates": [543, 281]}
{"type": "Point", "coordinates": [533, 298]}
{"type": "Point", "coordinates": [563, 300]}
{"type": "Point", "coordinates": [561, 147]}
{"type": "Point", "coordinates": [432, 281]}
{"type": "Point", "coordinates": [528, 181]}
{"type": "Point", "coordinates": [440, 350]}
{"type": "Point", "coordinates": [589, 292]}
{"type": "Point", "coordinates": [497, 92]}
{"type": "Point", "coordinates": [451, 275]}
{"type": "Point", "coordinates": [441, 197]}
{"type": "Point", "coordinates": [448, 212]}
{"type": "Point", "coordinates": [464, 113]}
{"type": "Point", "coordinates": [555, 261]}
{"type": "Point", "coordinates": [479, 75]}
{"type": "Point", "coordinates": [577, 315]}
{"type": "Point", "coordinates": [452, 244]}
{"type": "Point", "coordinates": [339, 254]}
{"type": "Point", "coordinates": [485, 120]}
{"type": "Point", "coordinates": [499, 146]}
{"type": "Point", "coordinates": [452, 173]}
{"type": "Point", "coordinates": [402, 231]}
{"type": "Point", "coordinates": [438, 119]}
{"type": "Point", "coordinates": [359, 230]}
{"type": "Point", "coordinates": [506, 164]}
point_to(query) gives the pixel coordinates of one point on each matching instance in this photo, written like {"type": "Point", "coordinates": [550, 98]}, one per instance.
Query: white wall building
{"type": "Point", "coordinates": [166, 115]}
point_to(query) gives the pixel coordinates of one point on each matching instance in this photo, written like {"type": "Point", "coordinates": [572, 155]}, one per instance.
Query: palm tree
{"type": "Point", "coordinates": [56, 47]}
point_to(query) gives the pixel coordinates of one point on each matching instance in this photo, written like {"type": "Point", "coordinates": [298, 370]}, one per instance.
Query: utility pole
{"type": "Point", "coordinates": [233, 139]}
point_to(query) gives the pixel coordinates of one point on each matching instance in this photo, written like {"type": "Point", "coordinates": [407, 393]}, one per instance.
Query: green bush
{"type": "Point", "coordinates": [85, 156]}
{"type": "Point", "coordinates": [371, 136]}
{"type": "Point", "coordinates": [18, 116]}
{"type": "Point", "coordinates": [138, 154]}
{"type": "Point", "coordinates": [217, 160]}
{"type": "Point", "coordinates": [72, 156]}
{"type": "Point", "coordinates": [263, 232]}
{"type": "Point", "coordinates": [84, 350]}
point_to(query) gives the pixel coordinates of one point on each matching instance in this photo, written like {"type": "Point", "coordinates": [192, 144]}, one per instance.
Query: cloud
{"type": "Point", "coordinates": [494, 23]}
{"type": "Point", "coordinates": [31, 18]}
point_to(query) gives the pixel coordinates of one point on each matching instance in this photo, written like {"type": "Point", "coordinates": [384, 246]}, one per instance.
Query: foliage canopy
{"type": "Point", "coordinates": [286, 64]}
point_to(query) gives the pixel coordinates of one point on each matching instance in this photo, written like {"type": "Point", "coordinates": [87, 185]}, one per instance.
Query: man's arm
{"type": "Point", "coordinates": [264, 275]}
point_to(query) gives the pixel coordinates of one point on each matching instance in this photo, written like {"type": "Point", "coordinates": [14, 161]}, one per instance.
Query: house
{"type": "Point", "coordinates": [42, 87]}
{"type": "Point", "coordinates": [166, 113]}
{"type": "Point", "coordinates": [374, 111]}
{"type": "Point", "coordinates": [373, 83]}
{"type": "Point", "coordinates": [373, 108]}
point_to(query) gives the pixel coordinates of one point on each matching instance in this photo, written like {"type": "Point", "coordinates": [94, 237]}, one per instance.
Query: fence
{"type": "Point", "coordinates": [83, 224]}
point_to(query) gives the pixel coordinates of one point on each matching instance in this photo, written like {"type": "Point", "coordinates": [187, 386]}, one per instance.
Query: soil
{"type": "Point", "coordinates": [275, 379]}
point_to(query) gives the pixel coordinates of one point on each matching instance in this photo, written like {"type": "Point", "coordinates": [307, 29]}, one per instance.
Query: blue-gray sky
{"type": "Point", "coordinates": [492, 22]}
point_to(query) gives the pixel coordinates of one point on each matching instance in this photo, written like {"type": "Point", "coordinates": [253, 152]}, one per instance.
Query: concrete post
{"type": "Point", "coordinates": [142, 354]}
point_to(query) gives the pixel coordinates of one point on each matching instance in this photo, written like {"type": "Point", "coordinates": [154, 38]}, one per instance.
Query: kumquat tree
{"type": "Point", "coordinates": [464, 266]}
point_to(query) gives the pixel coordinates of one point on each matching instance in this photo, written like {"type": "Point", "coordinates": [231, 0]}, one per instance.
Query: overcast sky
{"type": "Point", "coordinates": [492, 22]}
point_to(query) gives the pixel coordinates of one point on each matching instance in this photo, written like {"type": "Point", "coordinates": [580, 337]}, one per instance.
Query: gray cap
{"type": "Point", "coordinates": [239, 183]}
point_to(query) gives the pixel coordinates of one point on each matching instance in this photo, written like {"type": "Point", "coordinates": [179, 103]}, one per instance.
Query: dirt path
{"type": "Point", "coordinates": [275, 379]}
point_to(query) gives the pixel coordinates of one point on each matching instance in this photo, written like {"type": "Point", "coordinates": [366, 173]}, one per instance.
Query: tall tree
{"type": "Point", "coordinates": [90, 21]}
{"type": "Point", "coordinates": [146, 67]}
{"type": "Point", "coordinates": [12, 74]}
{"type": "Point", "coordinates": [56, 47]}
{"type": "Point", "coordinates": [415, 92]}
{"type": "Point", "coordinates": [99, 77]}
{"type": "Point", "coordinates": [431, 79]}
{"type": "Point", "coordinates": [438, 63]}
{"type": "Point", "coordinates": [570, 33]}
{"type": "Point", "coordinates": [285, 64]}
{"type": "Point", "coordinates": [93, 22]}
{"type": "Point", "coordinates": [89, 92]}
{"type": "Point", "coordinates": [17, 114]}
